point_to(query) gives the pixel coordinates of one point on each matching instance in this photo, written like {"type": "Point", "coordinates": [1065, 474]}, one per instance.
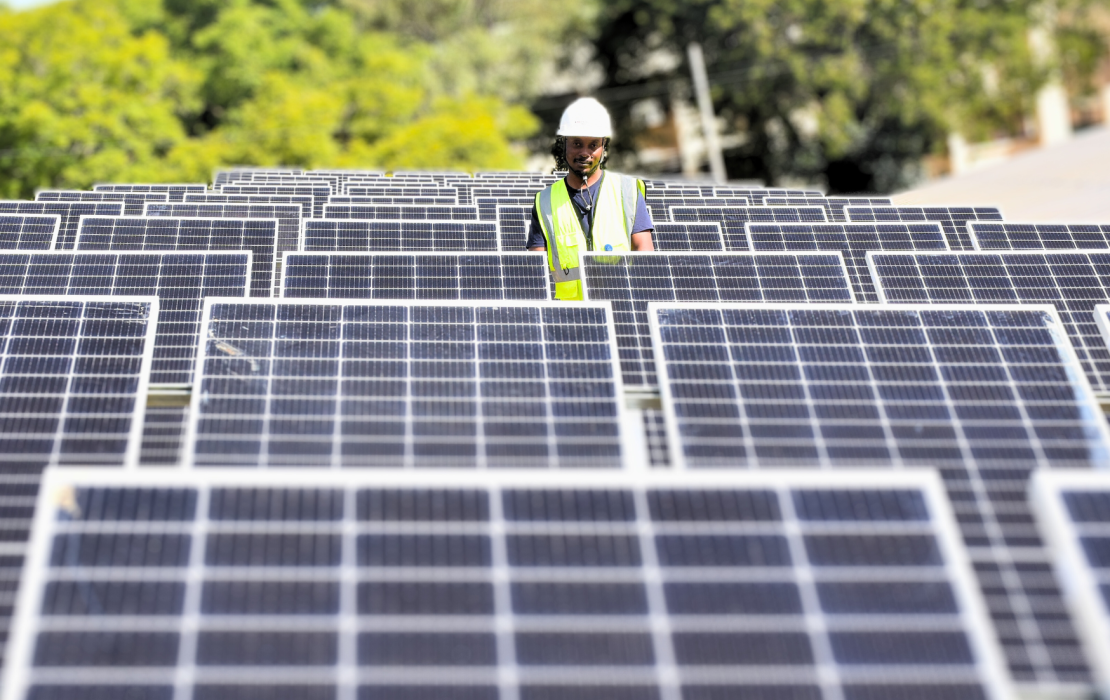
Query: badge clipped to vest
{"type": "Point", "coordinates": [608, 247]}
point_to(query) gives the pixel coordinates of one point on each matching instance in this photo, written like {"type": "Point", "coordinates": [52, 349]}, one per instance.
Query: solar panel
{"type": "Point", "coordinates": [853, 241]}
{"type": "Point", "coordinates": [163, 435]}
{"type": "Point", "coordinates": [1073, 281]}
{"type": "Point", "coordinates": [133, 202]}
{"type": "Point", "coordinates": [407, 384]}
{"type": "Point", "coordinates": [732, 219]}
{"type": "Point", "coordinates": [175, 192]}
{"type": "Point", "coordinates": [985, 395]}
{"type": "Point", "coordinates": [674, 237]}
{"type": "Point", "coordinates": [332, 184]}
{"type": "Point", "coordinates": [362, 235]}
{"type": "Point", "coordinates": [512, 227]}
{"type": "Point", "coordinates": [304, 201]}
{"type": "Point", "coordinates": [69, 214]}
{"type": "Point", "coordinates": [1073, 510]}
{"type": "Point", "coordinates": [632, 280]}
{"type": "Point", "coordinates": [28, 231]}
{"type": "Point", "coordinates": [73, 374]}
{"type": "Point", "coordinates": [394, 190]}
{"type": "Point", "coordinates": [418, 213]}
{"type": "Point", "coordinates": [487, 206]}
{"type": "Point", "coordinates": [179, 280]}
{"type": "Point", "coordinates": [163, 233]}
{"type": "Point", "coordinates": [518, 275]}
{"type": "Point", "coordinates": [834, 206]}
{"type": "Point", "coordinates": [288, 216]}
{"type": "Point", "coordinates": [509, 585]}
{"type": "Point", "coordinates": [953, 219]}
{"type": "Point", "coordinates": [993, 236]}
{"type": "Point", "coordinates": [660, 204]}
{"type": "Point", "coordinates": [393, 201]}
{"type": "Point", "coordinates": [319, 194]}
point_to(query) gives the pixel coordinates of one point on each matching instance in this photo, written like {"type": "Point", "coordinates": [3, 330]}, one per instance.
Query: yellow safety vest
{"type": "Point", "coordinates": [613, 218]}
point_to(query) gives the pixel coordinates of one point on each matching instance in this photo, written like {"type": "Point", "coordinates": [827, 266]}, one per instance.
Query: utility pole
{"type": "Point", "coordinates": [705, 106]}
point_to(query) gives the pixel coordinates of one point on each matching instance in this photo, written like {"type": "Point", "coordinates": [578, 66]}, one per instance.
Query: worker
{"type": "Point", "coordinates": [590, 209]}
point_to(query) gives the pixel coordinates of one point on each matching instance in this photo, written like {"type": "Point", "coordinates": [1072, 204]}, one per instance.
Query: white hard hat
{"type": "Point", "coordinates": [585, 117]}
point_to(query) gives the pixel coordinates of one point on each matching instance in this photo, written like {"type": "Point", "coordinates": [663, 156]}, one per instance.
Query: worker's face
{"type": "Point", "coordinates": [584, 154]}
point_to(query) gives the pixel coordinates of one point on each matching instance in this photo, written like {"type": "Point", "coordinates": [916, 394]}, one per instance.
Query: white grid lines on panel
{"type": "Point", "coordinates": [985, 394]}
{"type": "Point", "coordinates": [407, 384]}
{"type": "Point", "coordinates": [521, 275]}
{"type": "Point", "coordinates": [511, 582]}
{"type": "Point", "coordinates": [488, 206]}
{"type": "Point", "coordinates": [1073, 281]}
{"type": "Point", "coordinates": [70, 214]}
{"type": "Point", "coordinates": [630, 281]}
{"type": "Point", "coordinates": [133, 202]}
{"type": "Point", "coordinates": [1073, 511]}
{"type": "Point", "coordinates": [381, 235]}
{"type": "Point", "coordinates": [346, 200]}
{"type": "Point", "coordinates": [513, 224]}
{"type": "Point", "coordinates": [853, 241]}
{"type": "Point", "coordinates": [668, 237]}
{"type": "Point", "coordinates": [180, 280]}
{"type": "Point", "coordinates": [660, 204]}
{"type": "Point", "coordinates": [319, 194]}
{"type": "Point", "coordinates": [834, 207]}
{"type": "Point", "coordinates": [165, 233]}
{"type": "Point", "coordinates": [28, 231]}
{"type": "Point", "coordinates": [163, 435]}
{"type": "Point", "coordinates": [733, 219]}
{"type": "Point", "coordinates": [401, 190]}
{"type": "Point", "coordinates": [955, 220]}
{"type": "Point", "coordinates": [1042, 236]}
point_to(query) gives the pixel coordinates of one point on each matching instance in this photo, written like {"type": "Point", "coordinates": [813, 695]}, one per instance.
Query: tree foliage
{"type": "Point", "coordinates": [852, 92]}
{"type": "Point", "coordinates": [126, 90]}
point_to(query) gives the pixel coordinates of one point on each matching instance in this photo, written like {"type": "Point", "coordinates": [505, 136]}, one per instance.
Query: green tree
{"type": "Point", "coordinates": [852, 92]}
{"type": "Point", "coordinates": [83, 99]}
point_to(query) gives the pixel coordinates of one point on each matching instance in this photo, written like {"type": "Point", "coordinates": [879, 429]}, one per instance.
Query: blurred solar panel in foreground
{"type": "Point", "coordinates": [237, 585]}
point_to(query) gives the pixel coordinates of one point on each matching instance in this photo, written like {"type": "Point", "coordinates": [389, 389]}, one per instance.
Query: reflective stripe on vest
{"type": "Point", "coordinates": [613, 219]}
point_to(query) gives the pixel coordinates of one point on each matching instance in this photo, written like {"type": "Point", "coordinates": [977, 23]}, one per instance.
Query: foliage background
{"type": "Point", "coordinates": [848, 94]}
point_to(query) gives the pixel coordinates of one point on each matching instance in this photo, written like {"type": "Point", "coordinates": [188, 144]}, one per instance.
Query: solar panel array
{"type": "Point", "coordinates": [415, 332]}
{"type": "Point", "coordinates": [505, 586]}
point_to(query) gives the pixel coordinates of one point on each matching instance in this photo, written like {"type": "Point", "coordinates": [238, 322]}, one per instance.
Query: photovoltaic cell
{"type": "Point", "coordinates": [660, 204]}
{"type": "Point", "coordinates": [1006, 236]}
{"type": "Point", "coordinates": [1073, 511]}
{"type": "Point", "coordinates": [732, 219]}
{"type": "Point", "coordinates": [69, 214]}
{"type": "Point", "coordinates": [953, 219]}
{"type": "Point", "coordinates": [1072, 281]}
{"type": "Point", "coordinates": [983, 394]}
{"type": "Point", "coordinates": [512, 227]}
{"type": "Point", "coordinates": [175, 193]}
{"type": "Point", "coordinates": [398, 190]}
{"type": "Point", "coordinates": [28, 231]}
{"type": "Point", "coordinates": [358, 235]}
{"type": "Point", "coordinates": [852, 241]}
{"type": "Point", "coordinates": [288, 216]}
{"type": "Point", "coordinates": [407, 384]}
{"type": "Point", "coordinates": [415, 276]}
{"type": "Point", "coordinates": [133, 202]}
{"type": "Point", "coordinates": [630, 281]}
{"type": "Point", "coordinates": [242, 585]}
{"type": "Point", "coordinates": [419, 213]}
{"type": "Point", "coordinates": [488, 206]}
{"type": "Point", "coordinates": [163, 233]}
{"type": "Point", "coordinates": [393, 201]}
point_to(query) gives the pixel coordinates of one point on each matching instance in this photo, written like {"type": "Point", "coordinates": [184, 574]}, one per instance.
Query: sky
{"type": "Point", "coordinates": [19, 4]}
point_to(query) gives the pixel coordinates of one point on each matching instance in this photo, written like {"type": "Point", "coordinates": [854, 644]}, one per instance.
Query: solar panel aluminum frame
{"type": "Point", "coordinates": [421, 253]}
{"type": "Point", "coordinates": [60, 488]}
{"type": "Point", "coordinates": [53, 236]}
{"type": "Point", "coordinates": [1078, 379]}
{"type": "Point", "coordinates": [1079, 585]}
{"type": "Point", "coordinates": [631, 434]}
{"type": "Point", "coordinates": [135, 437]}
{"type": "Point", "coordinates": [972, 230]}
